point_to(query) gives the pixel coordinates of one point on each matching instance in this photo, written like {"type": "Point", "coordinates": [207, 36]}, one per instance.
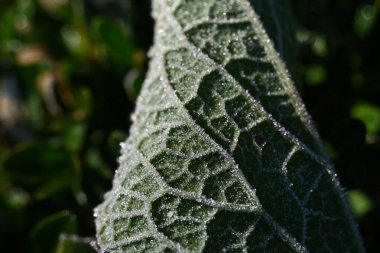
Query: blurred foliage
{"type": "Point", "coordinates": [69, 74]}
{"type": "Point", "coordinates": [340, 55]}
{"type": "Point", "coordinates": [360, 202]}
{"type": "Point", "coordinates": [71, 70]}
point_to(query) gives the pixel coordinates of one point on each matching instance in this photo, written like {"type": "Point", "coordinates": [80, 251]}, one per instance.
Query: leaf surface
{"type": "Point", "coordinates": [222, 156]}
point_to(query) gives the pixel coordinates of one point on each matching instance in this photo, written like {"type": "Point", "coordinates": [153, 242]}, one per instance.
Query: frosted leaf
{"type": "Point", "coordinates": [222, 156]}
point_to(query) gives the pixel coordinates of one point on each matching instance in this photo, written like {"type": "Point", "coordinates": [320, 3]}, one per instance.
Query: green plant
{"type": "Point", "coordinates": [222, 155]}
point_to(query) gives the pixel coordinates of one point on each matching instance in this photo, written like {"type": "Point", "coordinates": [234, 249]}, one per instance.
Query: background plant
{"type": "Point", "coordinates": [70, 72]}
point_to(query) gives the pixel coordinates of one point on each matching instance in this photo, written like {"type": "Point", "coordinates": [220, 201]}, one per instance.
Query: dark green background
{"type": "Point", "coordinates": [70, 72]}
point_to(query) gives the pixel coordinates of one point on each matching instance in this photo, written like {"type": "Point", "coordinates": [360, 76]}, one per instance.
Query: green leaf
{"type": "Point", "coordinates": [365, 20]}
{"type": "Point", "coordinates": [369, 114]}
{"type": "Point", "coordinates": [315, 75]}
{"type": "Point", "coordinates": [277, 19]}
{"type": "Point", "coordinates": [116, 39]}
{"type": "Point", "coordinates": [41, 167]}
{"type": "Point", "coordinates": [74, 244]}
{"type": "Point", "coordinates": [74, 137]}
{"type": "Point", "coordinates": [44, 235]}
{"type": "Point", "coordinates": [360, 202]}
{"type": "Point", "coordinates": [222, 155]}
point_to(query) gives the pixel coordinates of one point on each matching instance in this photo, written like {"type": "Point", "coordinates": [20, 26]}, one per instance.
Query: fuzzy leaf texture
{"type": "Point", "coordinates": [222, 156]}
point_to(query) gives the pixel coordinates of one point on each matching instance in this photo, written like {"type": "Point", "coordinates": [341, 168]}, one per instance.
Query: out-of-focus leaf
{"type": "Point", "coordinates": [133, 83]}
{"type": "Point", "coordinates": [369, 114]}
{"type": "Point", "coordinates": [15, 21]}
{"type": "Point", "coordinates": [13, 212]}
{"type": "Point", "coordinates": [40, 167]}
{"type": "Point", "coordinates": [315, 41]}
{"type": "Point", "coordinates": [44, 235]}
{"type": "Point", "coordinates": [93, 160]}
{"type": "Point", "coordinates": [319, 45]}
{"type": "Point", "coordinates": [116, 39]}
{"type": "Point", "coordinates": [34, 109]}
{"type": "Point", "coordinates": [74, 137]}
{"type": "Point", "coordinates": [360, 202]}
{"type": "Point", "coordinates": [83, 103]}
{"type": "Point", "coordinates": [114, 140]}
{"type": "Point", "coordinates": [315, 75]}
{"type": "Point", "coordinates": [74, 244]}
{"type": "Point", "coordinates": [76, 42]}
{"type": "Point", "coordinates": [57, 9]}
{"type": "Point", "coordinates": [365, 19]}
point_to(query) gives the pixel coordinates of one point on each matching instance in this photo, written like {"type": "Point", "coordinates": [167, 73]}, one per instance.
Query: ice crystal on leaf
{"type": "Point", "coordinates": [222, 156]}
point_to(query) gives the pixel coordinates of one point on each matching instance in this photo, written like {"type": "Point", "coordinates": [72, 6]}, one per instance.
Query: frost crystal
{"type": "Point", "coordinates": [222, 156]}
